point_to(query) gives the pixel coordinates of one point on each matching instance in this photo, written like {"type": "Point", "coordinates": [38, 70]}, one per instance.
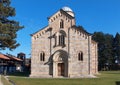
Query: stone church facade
{"type": "Point", "coordinates": [62, 49]}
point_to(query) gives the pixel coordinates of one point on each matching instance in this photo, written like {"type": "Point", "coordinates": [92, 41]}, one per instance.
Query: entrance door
{"type": "Point", "coordinates": [61, 69]}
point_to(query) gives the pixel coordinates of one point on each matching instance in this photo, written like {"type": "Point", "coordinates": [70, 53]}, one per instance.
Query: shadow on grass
{"type": "Point", "coordinates": [117, 82]}
{"type": "Point", "coordinates": [20, 74]}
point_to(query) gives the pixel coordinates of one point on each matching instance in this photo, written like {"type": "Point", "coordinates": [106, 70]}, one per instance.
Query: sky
{"type": "Point", "coordinates": [93, 15]}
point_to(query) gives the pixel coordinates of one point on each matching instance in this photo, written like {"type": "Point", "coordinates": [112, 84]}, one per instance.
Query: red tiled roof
{"type": "Point", "coordinates": [14, 58]}
{"type": "Point", "coordinates": [2, 56]}
{"type": "Point", "coordinates": [7, 57]}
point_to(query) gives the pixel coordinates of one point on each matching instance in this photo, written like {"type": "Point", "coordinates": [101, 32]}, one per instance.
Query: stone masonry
{"type": "Point", "coordinates": [62, 49]}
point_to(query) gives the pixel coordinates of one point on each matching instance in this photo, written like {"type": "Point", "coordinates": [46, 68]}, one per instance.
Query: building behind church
{"type": "Point", "coordinates": [62, 49]}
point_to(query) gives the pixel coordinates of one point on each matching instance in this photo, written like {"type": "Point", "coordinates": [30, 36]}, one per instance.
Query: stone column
{"type": "Point", "coordinates": [69, 67]}
{"type": "Point", "coordinates": [89, 55]}
{"type": "Point", "coordinates": [54, 69]}
{"type": "Point", "coordinates": [96, 58]}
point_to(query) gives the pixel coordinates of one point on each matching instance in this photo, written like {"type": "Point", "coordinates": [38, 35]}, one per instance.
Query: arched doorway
{"type": "Point", "coordinates": [61, 69]}
{"type": "Point", "coordinates": [60, 64]}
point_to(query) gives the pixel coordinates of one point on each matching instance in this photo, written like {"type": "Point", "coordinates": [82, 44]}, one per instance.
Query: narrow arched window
{"type": "Point", "coordinates": [55, 40]}
{"type": "Point", "coordinates": [61, 40]}
{"type": "Point", "coordinates": [80, 56]}
{"type": "Point", "coordinates": [42, 56]}
{"type": "Point", "coordinates": [61, 24]}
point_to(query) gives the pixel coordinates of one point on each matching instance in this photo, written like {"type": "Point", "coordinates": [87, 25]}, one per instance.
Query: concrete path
{"type": "Point", "coordinates": [0, 81]}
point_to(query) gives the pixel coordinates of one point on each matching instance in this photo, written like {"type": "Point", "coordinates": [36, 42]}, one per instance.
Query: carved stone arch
{"type": "Point", "coordinates": [60, 53]}
{"type": "Point", "coordinates": [63, 32]}
{"type": "Point", "coordinates": [55, 56]}
{"type": "Point", "coordinates": [60, 63]}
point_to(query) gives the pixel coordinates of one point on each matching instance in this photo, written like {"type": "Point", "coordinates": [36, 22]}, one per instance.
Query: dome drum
{"type": "Point", "coordinates": [68, 10]}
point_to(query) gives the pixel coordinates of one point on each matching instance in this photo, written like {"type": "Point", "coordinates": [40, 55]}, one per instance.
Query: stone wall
{"type": "Point", "coordinates": [75, 41]}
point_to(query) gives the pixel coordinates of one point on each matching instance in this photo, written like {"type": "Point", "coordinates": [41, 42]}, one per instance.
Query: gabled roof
{"type": "Point", "coordinates": [64, 12]}
{"type": "Point", "coordinates": [11, 57]}
{"type": "Point", "coordinates": [8, 57]}
{"type": "Point", "coordinates": [15, 58]}
{"type": "Point", "coordinates": [39, 30]}
{"type": "Point", "coordinates": [2, 56]}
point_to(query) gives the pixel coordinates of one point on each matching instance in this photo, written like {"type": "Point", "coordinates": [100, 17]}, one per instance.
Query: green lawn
{"type": "Point", "coordinates": [106, 78]}
{"type": "Point", "coordinates": [4, 81]}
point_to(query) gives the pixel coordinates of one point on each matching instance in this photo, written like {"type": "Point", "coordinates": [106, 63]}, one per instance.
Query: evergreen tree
{"type": "Point", "coordinates": [99, 37]}
{"type": "Point", "coordinates": [8, 27]}
{"type": "Point", "coordinates": [105, 49]}
{"type": "Point", "coordinates": [109, 48]}
{"type": "Point", "coordinates": [117, 47]}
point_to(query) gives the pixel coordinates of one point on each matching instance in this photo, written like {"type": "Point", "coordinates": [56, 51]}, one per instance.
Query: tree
{"type": "Point", "coordinates": [109, 49]}
{"type": "Point", "coordinates": [100, 38]}
{"type": "Point", "coordinates": [117, 47]}
{"type": "Point", "coordinates": [8, 27]}
{"type": "Point", "coordinates": [105, 49]}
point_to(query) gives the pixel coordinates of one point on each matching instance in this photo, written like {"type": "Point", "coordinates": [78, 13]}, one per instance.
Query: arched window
{"type": "Point", "coordinates": [80, 56]}
{"type": "Point", "coordinates": [55, 40]}
{"type": "Point", "coordinates": [42, 56]}
{"type": "Point", "coordinates": [61, 24]}
{"type": "Point", "coordinates": [61, 40]}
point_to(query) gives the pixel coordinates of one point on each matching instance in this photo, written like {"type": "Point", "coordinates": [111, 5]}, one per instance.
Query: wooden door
{"type": "Point", "coordinates": [60, 69]}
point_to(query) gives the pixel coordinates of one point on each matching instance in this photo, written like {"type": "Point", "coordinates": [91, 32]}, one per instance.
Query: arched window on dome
{"type": "Point", "coordinates": [61, 24]}
{"type": "Point", "coordinates": [42, 56]}
{"type": "Point", "coordinates": [80, 56]}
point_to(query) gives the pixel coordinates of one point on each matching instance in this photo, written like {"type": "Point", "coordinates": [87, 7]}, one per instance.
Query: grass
{"type": "Point", "coordinates": [106, 78]}
{"type": "Point", "coordinates": [4, 81]}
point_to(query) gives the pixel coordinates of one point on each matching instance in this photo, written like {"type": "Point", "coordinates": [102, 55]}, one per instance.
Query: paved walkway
{"type": "Point", "coordinates": [0, 81]}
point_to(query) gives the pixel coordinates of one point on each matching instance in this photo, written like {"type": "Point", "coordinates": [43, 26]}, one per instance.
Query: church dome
{"type": "Point", "coordinates": [68, 10]}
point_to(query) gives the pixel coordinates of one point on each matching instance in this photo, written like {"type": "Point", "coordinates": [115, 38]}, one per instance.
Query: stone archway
{"type": "Point", "coordinates": [60, 64]}
{"type": "Point", "coordinates": [61, 69]}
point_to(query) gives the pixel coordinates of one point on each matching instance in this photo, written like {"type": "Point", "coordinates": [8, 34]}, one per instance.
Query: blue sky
{"type": "Point", "coordinates": [93, 15]}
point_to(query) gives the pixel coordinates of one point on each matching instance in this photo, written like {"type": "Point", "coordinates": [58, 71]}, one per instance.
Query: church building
{"type": "Point", "coordinates": [62, 49]}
